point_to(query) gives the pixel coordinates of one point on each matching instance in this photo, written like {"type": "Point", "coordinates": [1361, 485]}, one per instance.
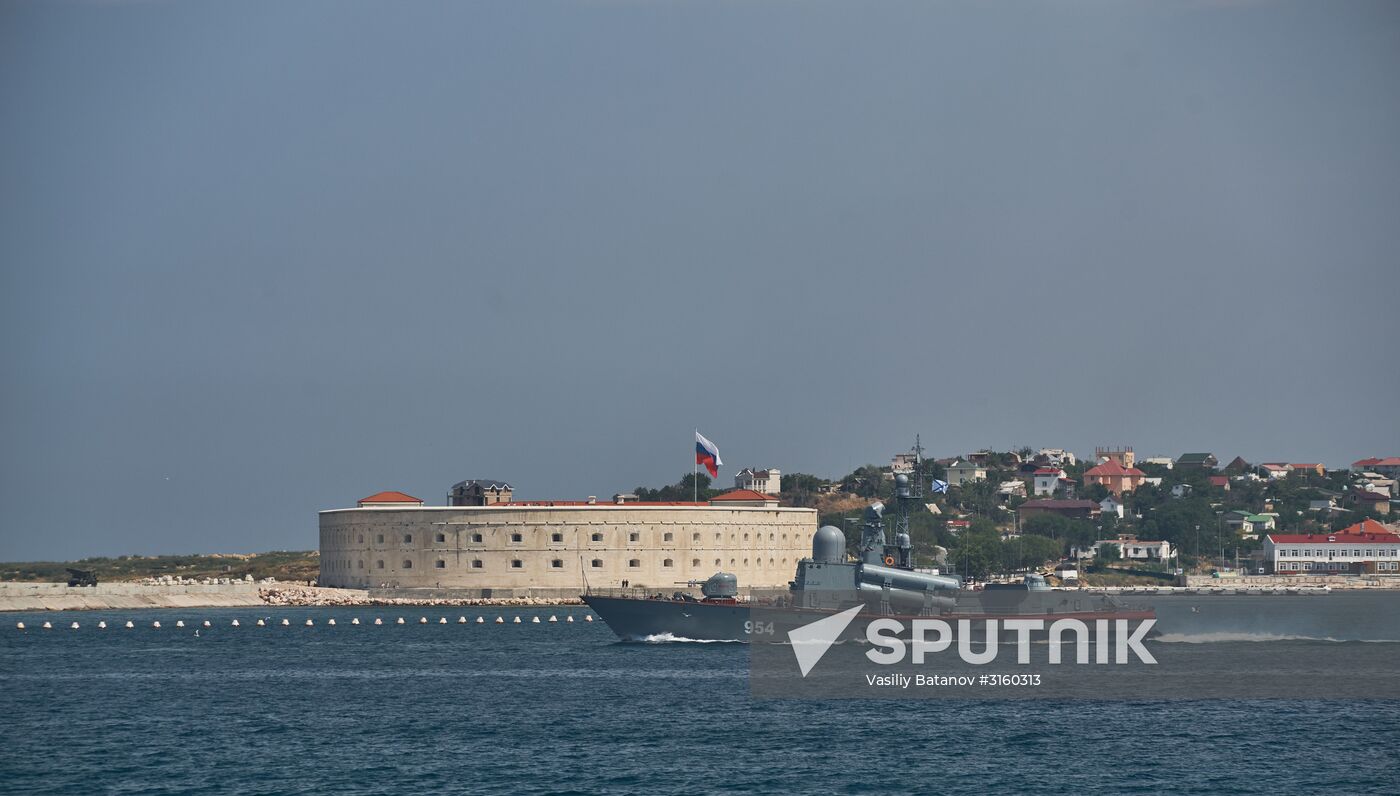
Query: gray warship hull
{"type": "Point", "coordinates": [664, 619]}
{"type": "Point", "coordinates": [1336, 615]}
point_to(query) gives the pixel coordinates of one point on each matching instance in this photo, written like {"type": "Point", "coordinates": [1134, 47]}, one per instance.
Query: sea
{"type": "Point", "coordinates": [565, 708]}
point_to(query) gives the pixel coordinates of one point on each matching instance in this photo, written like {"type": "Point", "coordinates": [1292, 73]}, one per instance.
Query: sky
{"type": "Point", "coordinates": [263, 259]}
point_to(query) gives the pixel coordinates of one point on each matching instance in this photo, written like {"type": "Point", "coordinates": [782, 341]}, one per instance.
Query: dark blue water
{"type": "Point", "coordinates": [564, 708]}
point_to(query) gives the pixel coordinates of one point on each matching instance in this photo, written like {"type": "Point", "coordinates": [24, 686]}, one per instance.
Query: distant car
{"type": "Point", "coordinates": [1259, 571]}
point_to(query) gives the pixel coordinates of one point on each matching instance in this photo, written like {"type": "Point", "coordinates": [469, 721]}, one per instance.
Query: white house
{"type": "Point", "coordinates": [1132, 549]}
{"type": "Point", "coordinates": [1161, 461]}
{"type": "Point", "coordinates": [1275, 471]}
{"type": "Point", "coordinates": [1181, 490]}
{"type": "Point", "coordinates": [1366, 547]}
{"type": "Point", "coordinates": [1012, 489]}
{"type": "Point", "coordinates": [964, 472]}
{"type": "Point", "coordinates": [1111, 506]}
{"type": "Point", "coordinates": [769, 482]}
{"type": "Point", "coordinates": [1046, 480]}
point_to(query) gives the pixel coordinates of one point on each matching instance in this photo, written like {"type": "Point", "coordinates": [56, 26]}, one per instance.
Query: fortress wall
{"type": "Point", "coordinates": [564, 547]}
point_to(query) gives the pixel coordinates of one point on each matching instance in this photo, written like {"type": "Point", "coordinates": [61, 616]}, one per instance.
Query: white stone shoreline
{"type": "Point", "coordinates": [234, 594]}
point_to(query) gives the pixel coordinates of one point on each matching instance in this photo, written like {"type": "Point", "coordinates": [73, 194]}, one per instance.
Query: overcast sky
{"type": "Point", "coordinates": [262, 259]}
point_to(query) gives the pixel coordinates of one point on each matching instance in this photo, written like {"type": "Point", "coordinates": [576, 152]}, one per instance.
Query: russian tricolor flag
{"type": "Point", "coordinates": [707, 454]}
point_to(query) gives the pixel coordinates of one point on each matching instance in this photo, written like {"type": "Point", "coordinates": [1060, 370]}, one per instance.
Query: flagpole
{"type": "Point", "coordinates": [695, 477]}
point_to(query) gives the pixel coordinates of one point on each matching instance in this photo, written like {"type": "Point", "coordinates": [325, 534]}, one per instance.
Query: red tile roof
{"type": "Point", "coordinates": [1370, 526]}
{"type": "Point", "coordinates": [390, 497]}
{"type": "Point", "coordinates": [602, 504]}
{"type": "Point", "coordinates": [1366, 462]}
{"type": "Point", "coordinates": [1113, 468]}
{"type": "Point", "coordinates": [1050, 471]}
{"type": "Point", "coordinates": [742, 494]}
{"type": "Point", "coordinates": [1340, 537]}
{"type": "Point", "coordinates": [1219, 480]}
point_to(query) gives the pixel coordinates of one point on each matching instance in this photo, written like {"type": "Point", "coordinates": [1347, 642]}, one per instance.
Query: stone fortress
{"type": "Point", "coordinates": [485, 544]}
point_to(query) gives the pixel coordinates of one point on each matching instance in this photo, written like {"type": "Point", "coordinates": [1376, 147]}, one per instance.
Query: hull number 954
{"type": "Point", "coordinates": [758, 628]}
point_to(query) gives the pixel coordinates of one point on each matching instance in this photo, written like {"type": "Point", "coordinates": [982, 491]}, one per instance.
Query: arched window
{"type": "Point", "coordinates": [731, 562]}
{"type": "Point", "coordinates": [634, 562]}
{"type": "Point", "coordinates": [667, 563]}
{"type": "Point", "coordinates": [596, 563]}
{"type": "Point", "coordinates": [717, 562]}
{"type": "Point", "coordinates": [407, 564]}
{"type": "Point", "coordinates": [746, 562]}
{"type": "Point", "coordinates": [557, 564]}
{"type": "Point", "coordinates": [440, 564]}
{"type": "Point", "coordinates": [746, 537]}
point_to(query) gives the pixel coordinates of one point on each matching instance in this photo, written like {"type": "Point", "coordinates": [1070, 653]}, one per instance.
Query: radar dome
{"type": "Point", "coordinates": [901, 479]}
{"type": "Point", "coordinates": [829, 545]}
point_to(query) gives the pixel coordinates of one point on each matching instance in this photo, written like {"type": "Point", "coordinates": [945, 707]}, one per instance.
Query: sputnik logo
{"type": "Point", "coordinates": [811, 641]}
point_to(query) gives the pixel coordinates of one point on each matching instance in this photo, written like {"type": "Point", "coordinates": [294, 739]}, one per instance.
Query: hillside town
{"type": "Point", "coordinates": [991, 512]}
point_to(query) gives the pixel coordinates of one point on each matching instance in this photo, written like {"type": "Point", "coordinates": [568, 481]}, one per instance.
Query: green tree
{"type": "Point", "coordinates": [1109, 553]}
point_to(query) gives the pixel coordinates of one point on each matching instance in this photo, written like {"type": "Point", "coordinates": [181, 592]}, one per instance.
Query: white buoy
{"type": "Point", "coordinates": [422, 620]}
{"type": "Point", "coordinates": [179, 623]}
{"type": "Point", "coordinates": [48, 626]}
{"type": "Point", "coordinates": [588, 617]}
{"type": "Point", "coordinates": [569, 618]}
{"type": "Point", "coordinates": [19, 625]}
{"type": "Point", "coordinates": [355, 621]}
{"type": "Point", "coordinates": [129, 624]}
{"type": "Point", "coordinates": [480, 620]}
{"type": "Point", "coordinates": [500, 620]}
{"type": "Point", "coordinates": [442, 621]}
{"type": "Point", "coordinates": [517, 620]}
{"type": "Point", "coordinates": [74, 626]}
{"type": "Point", "coordinates": [461, 620]}
{"type": "Point", "coordinates": [554, 619]}
{"type": "Point", "coordinates": [378, 621]}
{"type": "Point", "coordinates": [155, 623]}
{"type": "Point", "coordinates": [207, 623]}
{"type": "Point", "coordinates": [234, 623]}
{"type": "Point", "coordinates": [328, 621]}
{"type": "Point", "coordinates": [400, 621]}
{"type": "Point", "coordinates": [309, 623]}
{"type": "Point", "coordinates": [102, 625]}
{"type": "Point", "coordinates": [286, 622]}
{"type": "Point", "coordinates": [261, 623]}
{"type": "Point", "coordinates": [535, 620]}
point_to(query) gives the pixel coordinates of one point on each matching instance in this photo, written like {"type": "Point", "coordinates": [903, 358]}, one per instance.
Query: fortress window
{"type": "Point", "coordinates": [634, 563]}
{"type": "Point", "coordinates": [598, 537]}
{"type": "Point", "coordinates": [407, 564]}
{"type": "Point", "coordinates": [731, 562]}
{"type": "Point", "coordinates": [717, 537]}
{"type": "Point", "coordinates": [746, 562]}
{"type": "Point", "coordinates": [633, 536]}
{"type": "Point", "coordinates": [440, 564]}
{"type": "Point", "coordinates": [770, 562]}
{"type": "Point", "coordinates": [476, 537]}
{"type": "Point", "coordinates": [716, 562]}
{"type": "Point", "coordinates": [695, 537]}
{"type": "Point", "coordinates": [360, 564]}
{"type": "Point", "coordinates": [476, 563]}
{"type": "Point", "coordinates": [556, 537]}
{"type": "Point", "coordinates": [746, 537]}
{"type": "Point", "coordinates": [379, 538]}
{"type": "Point", "coordinates": [408, 538]}
{"type": "Point", "coordinates": [362, 539]}
{"type": "Point", "coordinates": [667, 563]}
{"type": "Point", "coordinates": [516, 563]}
{"type": "Point", "coordinates": [667, 537]}
{"type": "Point", "coordinates": [695, 562]}
{"type": "Point", "coordinates": [515, 537]}
{"type": "Point", "coordinates": [770, 537]}
{"type": "Point", "coordinates": [557, 564]}
{"type": "Point", "coordinates": [442, 537]}
{"type": "Point", "coordinates": [597, 563]}
{"type": "Point", "coordinates": [379, 564]}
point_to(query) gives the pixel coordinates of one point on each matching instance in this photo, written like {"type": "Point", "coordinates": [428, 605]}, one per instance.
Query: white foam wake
{"type": "Point", "coordinates": [670, 638]}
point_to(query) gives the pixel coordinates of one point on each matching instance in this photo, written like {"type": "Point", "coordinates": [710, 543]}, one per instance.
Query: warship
{"type": "Point", "coordinates": [881, 577]}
